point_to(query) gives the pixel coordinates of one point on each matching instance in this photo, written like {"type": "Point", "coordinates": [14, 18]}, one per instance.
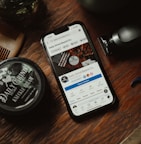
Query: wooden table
{"type": "Point", "coordinates": [51, 123]}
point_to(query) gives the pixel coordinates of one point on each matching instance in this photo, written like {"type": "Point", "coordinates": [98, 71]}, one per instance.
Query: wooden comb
{"type": "Point", "coordinates": [10, 41]}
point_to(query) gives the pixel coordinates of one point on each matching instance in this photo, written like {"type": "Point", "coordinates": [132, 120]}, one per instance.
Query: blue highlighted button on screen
{"type": "Point", "coordinates": [83, 82]}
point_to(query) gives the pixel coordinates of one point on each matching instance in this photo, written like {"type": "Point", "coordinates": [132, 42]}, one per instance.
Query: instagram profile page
{"type": "Point", "coordinates": [79, 72]}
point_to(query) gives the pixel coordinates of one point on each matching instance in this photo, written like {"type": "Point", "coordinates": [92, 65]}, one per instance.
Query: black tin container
{"type": "Point", "coordinates": [22, 86]}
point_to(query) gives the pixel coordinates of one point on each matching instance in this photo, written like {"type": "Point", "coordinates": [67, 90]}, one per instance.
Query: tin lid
{"type": "Point", "coordinates": [22, 85]}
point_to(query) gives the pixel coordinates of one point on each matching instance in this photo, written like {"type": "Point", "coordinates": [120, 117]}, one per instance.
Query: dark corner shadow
{"type": "Point", "coordinates": [43, 115]}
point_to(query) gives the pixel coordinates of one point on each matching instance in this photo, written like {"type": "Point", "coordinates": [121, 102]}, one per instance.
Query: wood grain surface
{"type": "Point", "coordinates": [50, 123]}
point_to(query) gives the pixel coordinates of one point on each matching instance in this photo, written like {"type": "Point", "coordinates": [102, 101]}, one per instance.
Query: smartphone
{"type": "Point", "coordinates": [78, 70]}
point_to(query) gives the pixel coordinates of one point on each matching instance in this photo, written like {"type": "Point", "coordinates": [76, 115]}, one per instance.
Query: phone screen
{"type": "Point", "coordinates": [78, 71]}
